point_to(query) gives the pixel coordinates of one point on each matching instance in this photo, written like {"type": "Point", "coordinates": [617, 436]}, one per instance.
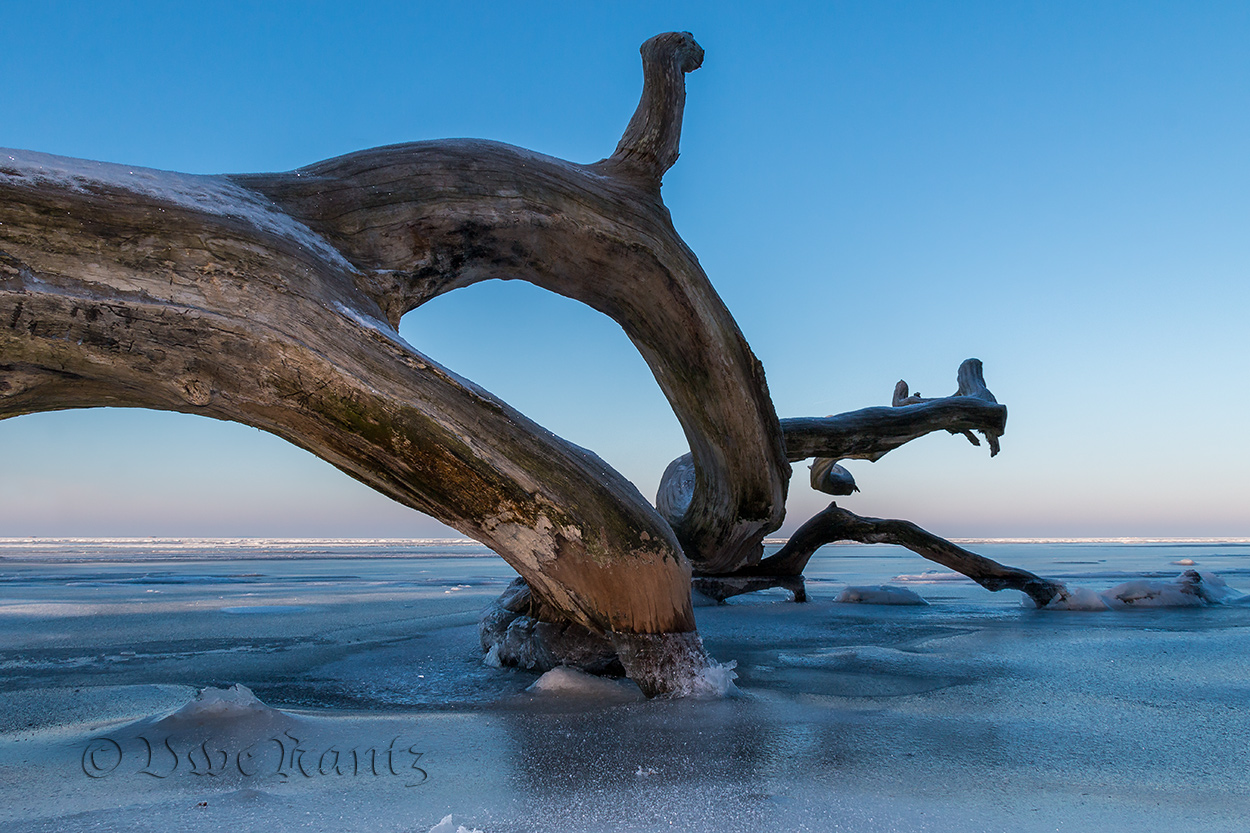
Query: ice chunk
{"type": "Point", "coordinates": [448, 826]}
{"type": "Point", "coordinates": [882, 595]}
{"type": "Point", "coordinates": [1190, 589]}
{"type": "Point", "coordinates": [492, 659]}
{"type": "Point", "coordinates": [1077, 598]}
{"type": "Point", "coordinates": [222, 702]}
{"type": "Point", "coordinates": [714, 681]}
{"type": "Point", "coordinates": [570, 682]}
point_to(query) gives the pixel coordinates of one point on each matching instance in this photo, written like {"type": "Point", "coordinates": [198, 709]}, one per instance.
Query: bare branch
{"type": "Point", "coordinates": [836, 524]}
{"type": "Point", "coordinates": [871, 433]}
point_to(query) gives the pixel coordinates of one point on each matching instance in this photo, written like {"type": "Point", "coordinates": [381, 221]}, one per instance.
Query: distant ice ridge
{"type": "Point", "coordinates": [883, 595]}
{"type": "Point", "coordinates": [68, 550]}
{"type": "Point", "coordinates": [1190, 589]}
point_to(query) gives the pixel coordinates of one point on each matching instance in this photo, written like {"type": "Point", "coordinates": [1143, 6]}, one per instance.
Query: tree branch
{"type": "Point", "coordinates": [649, 146]}
{"type": "Point", "coordinates": [836, 524]}
{"type": "Point", "coordinates": [870, 433]}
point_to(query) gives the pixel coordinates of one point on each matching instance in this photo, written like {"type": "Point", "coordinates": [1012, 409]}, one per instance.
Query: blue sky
{"type": "Point", "coordinates": [878, 191]}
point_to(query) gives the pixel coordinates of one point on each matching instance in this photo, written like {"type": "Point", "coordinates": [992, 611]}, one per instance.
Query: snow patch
{"type": "Point", "coordinates": [379, 326]}
{"type": "Point", "coordinates": [208, 194]}
{"type": "Point", "coordinates": [882, 595]}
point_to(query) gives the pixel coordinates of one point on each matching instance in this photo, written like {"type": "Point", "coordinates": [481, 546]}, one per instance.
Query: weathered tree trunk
{"type": "Point", "coordinates": [274, 300]}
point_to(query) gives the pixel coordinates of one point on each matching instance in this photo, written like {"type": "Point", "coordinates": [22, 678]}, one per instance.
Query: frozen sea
{"type": "Point", "coordinates": [365, 704]}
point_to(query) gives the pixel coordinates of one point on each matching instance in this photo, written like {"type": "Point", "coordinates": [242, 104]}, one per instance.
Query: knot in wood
{"type": "Point", "coordinates": [197, 392]}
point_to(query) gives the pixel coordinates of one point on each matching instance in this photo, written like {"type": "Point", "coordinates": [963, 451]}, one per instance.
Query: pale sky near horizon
{"type": "Point", "coordinates": [877, 190]}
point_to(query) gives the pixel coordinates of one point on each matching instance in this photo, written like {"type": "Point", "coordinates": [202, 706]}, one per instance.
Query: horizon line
{"type": "Point", "coordinates": [239, 540]}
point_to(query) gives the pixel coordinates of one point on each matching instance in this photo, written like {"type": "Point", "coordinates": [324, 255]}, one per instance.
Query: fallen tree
{"type": "Point", "coordinates": [274, 300]}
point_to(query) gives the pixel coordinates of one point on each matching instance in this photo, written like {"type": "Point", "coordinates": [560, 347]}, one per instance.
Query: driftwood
{"type": "Point", "coordinates": [274, 300]}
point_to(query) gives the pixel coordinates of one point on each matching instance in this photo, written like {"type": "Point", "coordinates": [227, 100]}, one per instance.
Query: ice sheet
{"type": "Point", "coordinates": [973, 713]}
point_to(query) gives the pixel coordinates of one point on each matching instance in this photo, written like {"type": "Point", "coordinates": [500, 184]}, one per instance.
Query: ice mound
{"type": "Point", "coordinates": [882, 595]}
{"type": "Point", "coordinates": [1190, 589]}
{"type": "Point", "coordinates": [570, 682]}
{"type": "Point", "coordinates": [224, 709]}
{"type": "Point", "coordinates": [447, 826]}
{"type": "Point", "coordinates": [871, 658]}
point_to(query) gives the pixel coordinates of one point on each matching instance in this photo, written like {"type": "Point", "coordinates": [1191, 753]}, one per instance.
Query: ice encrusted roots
{"type": "Point", "coordinates": [673, 665]}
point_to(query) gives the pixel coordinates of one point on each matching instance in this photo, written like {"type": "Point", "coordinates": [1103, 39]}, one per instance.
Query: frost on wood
{"type": "Point", "coordinates": [274, 300]}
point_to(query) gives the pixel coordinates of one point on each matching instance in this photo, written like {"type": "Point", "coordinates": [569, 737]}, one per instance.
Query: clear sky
{"type": "Point", "coordinates": [878, 191]}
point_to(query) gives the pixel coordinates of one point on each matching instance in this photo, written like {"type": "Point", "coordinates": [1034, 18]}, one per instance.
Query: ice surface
{"type": "Point", "coordinates": [932, 577]}
{"type": "Point", "coordinates": [973, 713]}
{"type": "Point", "coordinates": [880, 595]}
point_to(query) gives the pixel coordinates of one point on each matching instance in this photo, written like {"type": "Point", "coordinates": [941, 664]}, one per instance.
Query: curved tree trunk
{"type": "Point", "coordinates": [422, 219]}
{"type": "Point", "coordinates": [274, 300]}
